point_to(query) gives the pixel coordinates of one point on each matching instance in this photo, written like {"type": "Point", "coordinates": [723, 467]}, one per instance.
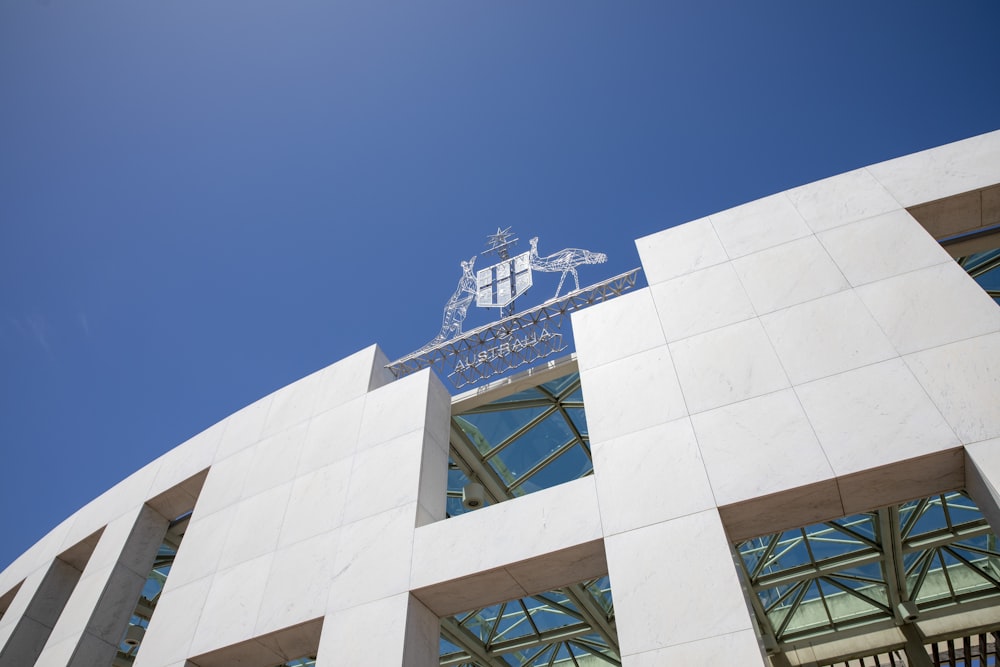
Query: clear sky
{"type": "Point", "coordinates": [202, 201]}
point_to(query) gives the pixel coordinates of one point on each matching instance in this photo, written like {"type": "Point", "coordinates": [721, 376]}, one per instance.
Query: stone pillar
{"type": "Point", "coordinates": [97, 613]}
{"type": "Point", "coordinates": [678, 598]}
{"type": "Point", "coordinates": [39, 603]}
{"type": "Point", "coordinates": [982, 478]}
{"type": "Point", "coordinates": [398, 481]}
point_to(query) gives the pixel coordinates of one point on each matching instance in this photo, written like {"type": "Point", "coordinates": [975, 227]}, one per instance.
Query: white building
{"type": "Point", "coordinates": [814, 360]}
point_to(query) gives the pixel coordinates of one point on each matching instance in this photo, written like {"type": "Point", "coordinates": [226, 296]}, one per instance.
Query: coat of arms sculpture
{"type": "Point", "coordinates": [513, 340]}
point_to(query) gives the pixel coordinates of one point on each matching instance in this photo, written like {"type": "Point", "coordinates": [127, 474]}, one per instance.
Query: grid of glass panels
{"type": "Point", "coordinates": [551, 628]}
{"type": "Point", "coordinates": [515, 445]}
{"type": "Point", "coordinates": [985, 268]}
{"type": "Point", "coordinates": [938, 552]}
{"type": "Point", "coordinates": [522, 443]}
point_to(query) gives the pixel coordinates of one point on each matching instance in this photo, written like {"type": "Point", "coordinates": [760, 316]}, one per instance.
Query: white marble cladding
{"type": "Point", "coordinates": [808, 354]}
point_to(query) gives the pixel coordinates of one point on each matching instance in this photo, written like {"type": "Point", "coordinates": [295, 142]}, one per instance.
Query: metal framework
{"type": "Point", "coordinates": [976, 650]}
{"type": "Point", "coordinates": [556, 627]}
{"type": "Point", "coordinates": [514, 341]}
{"type": "Point", "coordinates": [984, 267]}
{"type": "Point", "coordinates": [565, 261]}
{"type": "Point", "coordinates": [532, 439]}
{"type": "Point", "coordinates": [855, 575]}
{"type": "Point", "coordinates": [835, 579]}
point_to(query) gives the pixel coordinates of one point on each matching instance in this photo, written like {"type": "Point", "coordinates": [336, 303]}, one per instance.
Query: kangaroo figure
{"type": "Point", "coordinates": [457, 307]}
{"type": "Point", "coordinates": [565, 260]}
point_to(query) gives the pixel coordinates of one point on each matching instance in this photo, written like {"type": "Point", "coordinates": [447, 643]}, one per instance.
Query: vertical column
{"type": "Point", "coordinates": [97, 613]}
{"type": "Point", "coordinates": [398, 630]}
{"type": "Point", "coordinates": [678, 598]}
{"type": "Point", "coordinates": [398, 481]}
{"type": "Point", "coordinates": [982, 478]}
{"type": "Point", "coordinates": [39, 601]}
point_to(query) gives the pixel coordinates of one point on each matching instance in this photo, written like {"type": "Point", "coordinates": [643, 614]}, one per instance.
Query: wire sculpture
{"type": "Point", "coordinates": [457, 307]}
{"type": "Point", "coordinates": [565, 260]}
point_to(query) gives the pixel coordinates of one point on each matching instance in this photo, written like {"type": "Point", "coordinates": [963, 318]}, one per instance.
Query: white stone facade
{"type": "Point", "coordinates": [802, 357]}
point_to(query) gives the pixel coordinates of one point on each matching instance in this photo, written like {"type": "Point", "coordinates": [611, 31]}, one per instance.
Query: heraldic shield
{"type": "Point", "coordinates": [498, 285]}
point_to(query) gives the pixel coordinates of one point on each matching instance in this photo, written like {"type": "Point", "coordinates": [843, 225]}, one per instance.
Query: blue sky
{"type": "Point", "coordinates": [201, 202]}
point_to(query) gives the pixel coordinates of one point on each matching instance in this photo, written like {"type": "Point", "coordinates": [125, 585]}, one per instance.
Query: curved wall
{"type": "Point", "coordinates": [807, 355]}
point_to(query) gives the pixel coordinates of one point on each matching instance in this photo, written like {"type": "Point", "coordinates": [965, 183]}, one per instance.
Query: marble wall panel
{"type": "Point", "coordinates": [632, 394]}
{"type": "Point", "coordinates": [114, 539]}
{"type": "Point", "coordinates": [471, 592]}
{"type": "Point", "coordinates": [98, 610]}
{"type": "Point", "coordinates": [36, 607]}
{"type": "Point", "coordinates": [243, 428]}
{"type": "Point", "coordinates": [556, 518]}
{"type": "Point", "coordinates": [872, 416]}
{"type": "Point", "coordinates": [799, 506]}
{"type": "Point", "coordinates": [188, 459]}
{"type": "Point", "coordinates": [38, 556]}
{"type": "Point", "coordinates": [881, 247]}
{"type": "Point", "coordinates": [351, 378]}
{"type": "Point", "coordinates": [674, 583]}
{"type": "Point", "coordinates": [616, 329]}
{"type": "Point", "coordinates": [292, 404]}
{"type": "Point", "coordinates": [316, 503]}
{"type": "Point", "coordinates": [650, 476]}
{"type": "Point", "coordinates": [332, 436]}
{"type": "Point", "coordinates": [399, 631]}
{"type": "Point", "coordinates": [395, 410]}
{"type": "Point", "coordinates": [759, 225]}
{"type": "Point", "coordinates": [373, 558]}
{"type": "Point", "coordinates": [726, 365]}
{"type": "Point", "coordinates": [963, 380]}
{"type": "Point", "coordinates": [736, 648]}
{"type": "Point", "coordinates": [28, 589]}
{"type": "Point", "coordinates": [680, 250]}
{"type": "Point", "coordinates": [826, 336]}
{"type": "Point", "coordinates": [982, 475]}
{"type": "Point", "coordinates": [386, 476]}
{"type": "Point", "coordinates": [759, 446]}
{"type": "Point", "coordinates": [111, 614]}
{"type": "Point", "coordinates": [201, 549]}
{"type": "Point", "coordinates": [224, 484]}
{"type": "Point", "coordinates": [172, 629]}
{"type": "Point", "coordinates": [904, 480]}
{"type": "Point", "coordinates": [123, 498]}
{"type": "Point", "coordinates": [841, 199]}
{"type": "Point", "coordinates": [942, 171]}
{"type": "Point", "coordinates": [76, 613]}
{"type": "Point", "coordinates": [230, 611]}
{"type": "Point", "coordinates": [930, 307]}
{"type": "Point", "coordinates": [788, 274]}
{"type": "Point", "coordinates": [23, 643]}
{"type": "Point", "coordinates": [701, 301]}
{"type": "Point", "coordinates": [58, 652]}
{"type": "Point", "coordinates": [433, 488]}
{"type": "Point", "coordinates": [275, 460]}
{"type": "Point", "coordinates": [255, 526]}
{"type": "Point", "coordinates": [297, 583]}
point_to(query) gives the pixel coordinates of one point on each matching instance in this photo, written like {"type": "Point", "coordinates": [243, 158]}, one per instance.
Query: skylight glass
{"type": "Point", "coordinates": [570, 626]}
{"type": "Point", "coordinates": [938, 552]}
{"type": "Point", "coordinates": [984, 267]}
{"type": "Point", "coordinates": [518, 444]}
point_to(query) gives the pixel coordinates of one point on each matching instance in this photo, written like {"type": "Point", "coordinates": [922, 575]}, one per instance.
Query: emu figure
{"type": "Point", "coordinates": [565, 261]}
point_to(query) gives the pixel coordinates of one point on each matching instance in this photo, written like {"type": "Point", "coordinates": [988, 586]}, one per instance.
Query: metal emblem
{"type": "Point", "coordinates": [467, 357]}
{"type": "Point", "coordinates": [500, 284]}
